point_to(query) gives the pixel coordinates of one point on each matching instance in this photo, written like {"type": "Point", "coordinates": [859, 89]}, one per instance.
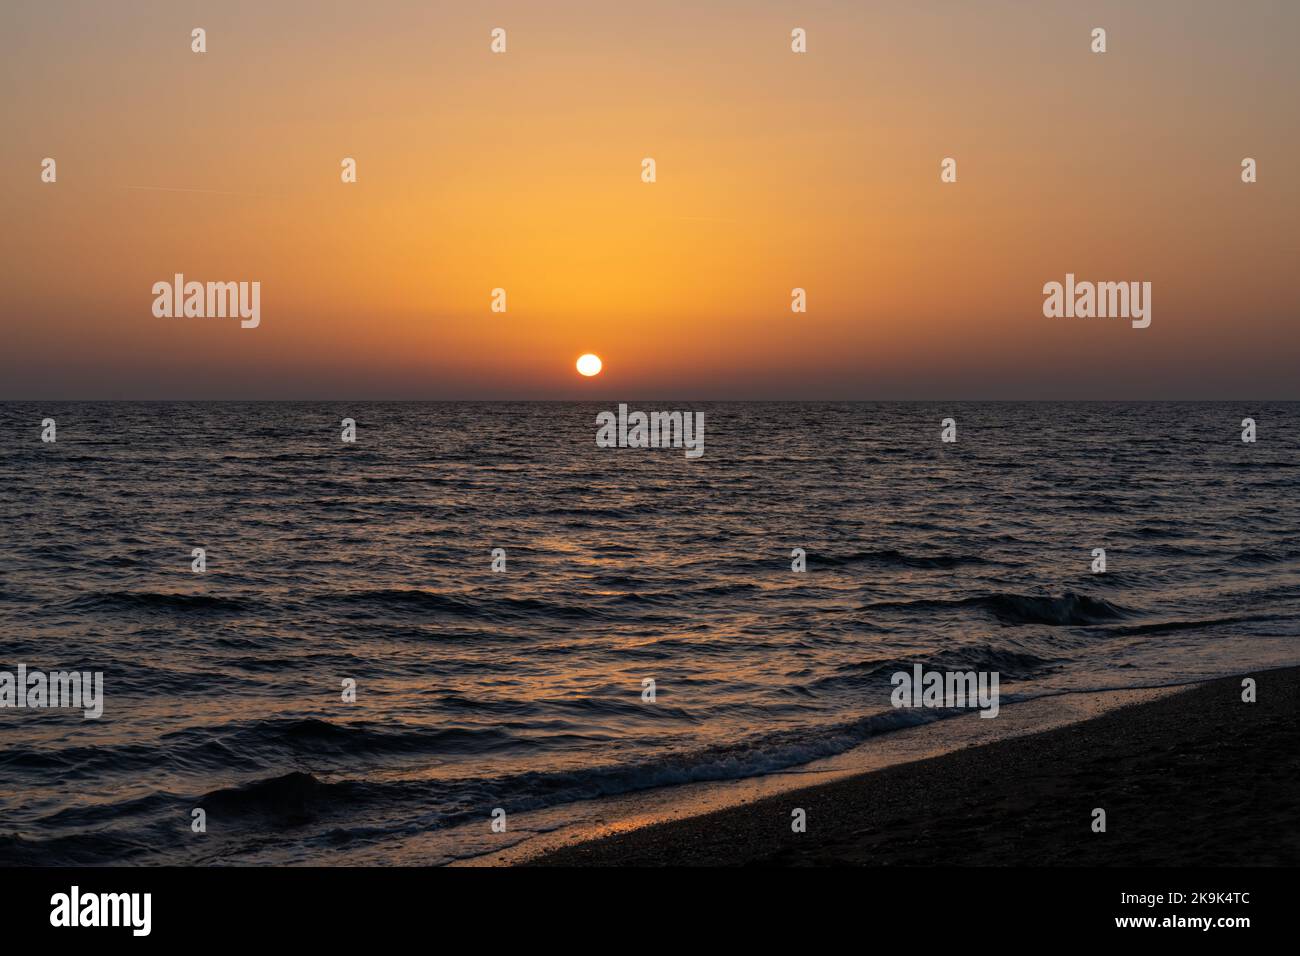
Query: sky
{"type": "Point", "coordinates": [774, 171]}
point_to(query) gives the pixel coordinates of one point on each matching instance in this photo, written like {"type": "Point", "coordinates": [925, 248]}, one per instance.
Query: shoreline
{"type": "Point", "coordinates": [1188, 775]}
{"type": "Point", "coordinates": [582, 821]}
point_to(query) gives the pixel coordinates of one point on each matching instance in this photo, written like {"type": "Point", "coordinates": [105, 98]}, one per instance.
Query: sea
{"type": "Point", "coordinates": [473, 608]}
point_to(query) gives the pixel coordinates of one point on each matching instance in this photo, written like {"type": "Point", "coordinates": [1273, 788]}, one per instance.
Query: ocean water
{"type": "Point", "coordinates": [523, 689]}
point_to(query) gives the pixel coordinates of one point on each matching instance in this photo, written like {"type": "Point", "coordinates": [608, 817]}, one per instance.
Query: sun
{"type": "Point", "coordinates": [589, 364]}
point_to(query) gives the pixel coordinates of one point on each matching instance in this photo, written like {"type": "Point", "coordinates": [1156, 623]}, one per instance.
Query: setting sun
{"type": "Point", "coordinates": [589, 364]}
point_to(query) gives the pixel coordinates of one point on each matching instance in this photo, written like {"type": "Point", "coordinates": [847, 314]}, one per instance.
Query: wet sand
{"type": "Point", "coordinates": [1197, 777]}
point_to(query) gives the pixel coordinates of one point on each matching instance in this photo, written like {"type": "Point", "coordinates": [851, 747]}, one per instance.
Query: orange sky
{"type": "Point", "coordinates": [775, 170]}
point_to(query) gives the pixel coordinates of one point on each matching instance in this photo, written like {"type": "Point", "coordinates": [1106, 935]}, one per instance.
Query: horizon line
{"type": "Point", "coordinates": [660, 400]}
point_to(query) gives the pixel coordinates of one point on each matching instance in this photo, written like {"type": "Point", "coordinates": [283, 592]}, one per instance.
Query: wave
{"type": "Point", "coordinates": [301, 799]}
{"type": "Point", "coordinates": [1069, 610]}
{"type": "Point", "coordinates": [1261, 557]}
{"type": "Point", "coordinates": [301, 796]}
{"type": "Point", "coordinates": [897, 559]}
{"type": "Point", "coordinates": [1010, 664]}
{"type": "Point", "coordinates": [417, 601]}
{"type": "Point", "coordinates": [156, 601]}
{"type": "Point", "coordinates": [1163, 627]}
{"type": "Point", "coordinates": [80, 849]}
{"type": "Point", "coordinates": [291, 797]}
{"type": "Point", "coordinates": [313, 737]}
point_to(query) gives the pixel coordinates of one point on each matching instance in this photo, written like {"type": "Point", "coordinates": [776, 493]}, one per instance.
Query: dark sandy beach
{"type": "Point", "coordinates": [1196, 778]}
